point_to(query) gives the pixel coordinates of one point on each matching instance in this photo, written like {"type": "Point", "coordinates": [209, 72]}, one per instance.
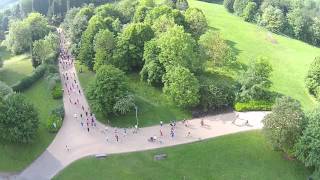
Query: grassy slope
{"type": "Point", "coordinates": [290, 58]}
{"type": "Point", "coordinates": [233, 157]}
{"type": "Point", "coordinates": [14, 68]}
{"type": "Point", "coordinates": [17, 157]}
{"type": "Point", "coordinates": [153, 107]}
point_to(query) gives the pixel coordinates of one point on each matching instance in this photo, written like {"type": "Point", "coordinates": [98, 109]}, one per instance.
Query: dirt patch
{"type": "Point", "coordinates": [271, 39]}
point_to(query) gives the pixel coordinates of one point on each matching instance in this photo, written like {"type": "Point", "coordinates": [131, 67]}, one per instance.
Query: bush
{"type": "Point", "coordinates": [28, 81]}
{"type": "Point", "coordinates": [216, 94]}
{"type": "Point", "coordinates": [55, 120]}
{"type": "Point", "coordinates": [313, 78]}
{"type": "Point", "coordinates": [253, 106]}
{"type": "Point", "coordinates": [57, 92]}
{"type": "Point", "coordinates": [250, 12]}
{"type": "Point", "coordinates": [5, 90]}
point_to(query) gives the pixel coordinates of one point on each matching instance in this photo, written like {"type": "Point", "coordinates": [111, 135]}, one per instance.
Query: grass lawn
{"type": "Point", "coordinates": [17, 157]}
{"type": "Point", "coordinates": [15, 67]}
{"type": "Point", "coordinates": [153, 106]}
{"type": "Point", "coordinates": [290, 58]}
{"type": "Point", "coordinates": [244, 156]}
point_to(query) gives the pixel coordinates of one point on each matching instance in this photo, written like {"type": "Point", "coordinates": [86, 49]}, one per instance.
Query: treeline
{"type": "Point", "coordinates": [299, 19]}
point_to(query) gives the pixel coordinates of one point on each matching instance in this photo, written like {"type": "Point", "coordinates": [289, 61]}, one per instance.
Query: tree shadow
{"type": "Point", "coordinates": [213, 1]}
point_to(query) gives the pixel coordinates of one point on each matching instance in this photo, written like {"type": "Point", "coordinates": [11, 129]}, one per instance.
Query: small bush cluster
{"type": "Point", "coordinates": [28, 81]}
{"type": "Point", "coordinates": [57, 92]}
{"type": "Point", "coordinates": [55, 120]}
{"type": "Point", "coordinates": [253, 106]}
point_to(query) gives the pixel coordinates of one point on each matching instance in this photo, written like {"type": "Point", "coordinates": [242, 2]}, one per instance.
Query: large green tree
{"type": "Point", "coordinates": [285, 124]}
{"type": "Point", "coordinates": [273, 19]}
{"type": "Point", "coordinates": [308, 145]}
{"type": "Point", "coordinates": [197, 22]}
{"type": "Point", "coordinates": [313, 78]}
{"type": "Point", "coordinates": [86, 52]}
{"type": "Point", "coordinates": [130, 45]}
{"type": "Point", "coordinates": [215, 49]}
{"type": "Point", "coordinates": [104, 44]}
{"type": "Point", "coordinates": [109, 86]}
{"type": "Point", "coordinates": [181, 86]}
{"type": "Point", "coordinates": [19, 120]}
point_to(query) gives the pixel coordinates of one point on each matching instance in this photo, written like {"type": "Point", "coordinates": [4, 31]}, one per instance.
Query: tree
{"type": "Point", "coordinates": [162, 24]}
{"type": "Point", "coordinates": [130, 46]}
{"type": "Point", "coordinates": [86, 52]}
{"type": "Point", "coordinates": [153, 70]}
{"type": "Point", "coordinates": [273, 19]}
{"type": "Point", "coordinates": [197, 22]}
{"type": "Point", "coordinates": [315, 29]}
{"type": "Point", "coordinates": [140, 14]}
{"type": "Point", "coordinates": [5, 90]}
{"type": "Point", "coordinates": [215, 49]}
{"type": "Point", "coordinates": [109, 86]}
{"type": "Point", "coordinates": [239, 6]}
{"type": "Point", "coordinates": [104, 44]}
{"type": "Point", "coordinates": [182, 5]}
{"type": "Point", "coordinates": [250, 12]}
{"type": "Point", "coordinates": [216, 94]}
{"type": "Point", "coordinates": [19, 37]}
{"type": "Point", "coordinates": [299, 22]}
{"type": "Point", "coordinates": [285, 124]}
{"type": "Point", "coordinates": [313, 78]}
{"type": "Point", "coordinates": [147, 3]}
{"type": "Point", "coordinates": [228, 4]}
{"type": "Point", "coordinates": [181, 86]}
{"type": "Point", "coordinates": [179, 48]}
{"type": "Point", "coordinates": [124, 104]}
{"type": "Point", "coordinates": [255, 80]}
{"type": "Point", "coordinates": [38, 25]}
{"type": "Point", "coordinates": [20, 120]}
{"type": "Point", "coordinates": [308, 145]}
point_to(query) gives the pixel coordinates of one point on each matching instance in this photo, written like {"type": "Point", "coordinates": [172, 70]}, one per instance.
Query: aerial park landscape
{"type": "Point", "coordinates": [159, 89]}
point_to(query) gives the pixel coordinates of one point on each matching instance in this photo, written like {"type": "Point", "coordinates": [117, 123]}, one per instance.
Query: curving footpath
{"type": "Point", "coordinates": [101, 139]}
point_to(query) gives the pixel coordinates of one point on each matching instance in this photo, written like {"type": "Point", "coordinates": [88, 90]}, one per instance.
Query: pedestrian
{"type": "Point", "coordinates": [79, 92]}
{"type": "Point", "coordinates": [161, 134]}
{"type": "Point", "coordinates": [75, 116]}
{"type": "Point", "coordinates": [67, 148]}
{"type": "Point", "coordinates": [88, 129]}
{"type": "Point", "coordinates": [117, 137]}
{"type": "Point", "coordinates": [81, 115]}
{"type": "Point", "coordinates": [161, 123]}
{"type": "Point", "coordinates": [81, 124]}
{"type": "Point", "coordinates": [189, 133]}
{"type": "Point", "coordinates": [202, 122]}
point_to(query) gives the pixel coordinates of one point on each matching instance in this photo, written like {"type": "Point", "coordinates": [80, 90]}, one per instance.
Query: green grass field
{"type": "Point", "coordinates": [239, 156]}
{"type": "Point", "coordinates": [15, 157]}
{"type": "Point", "coordinates": [14, 67]}
{"type": "Point", "coordinates": [153, 106]}
{"type": "Point", "coordinates": [290, 58]}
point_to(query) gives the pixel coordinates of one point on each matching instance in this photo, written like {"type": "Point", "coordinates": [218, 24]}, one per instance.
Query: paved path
{"type": "Point", "coordinates": [100, 139]}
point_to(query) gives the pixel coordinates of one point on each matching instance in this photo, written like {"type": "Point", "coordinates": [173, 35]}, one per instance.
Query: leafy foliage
{"type": "Point", "coordinates": [273, 19]}
{"type": "Point", "coordinates": [181, 86]}
{"type": "Point", "coordinates": [104, 44]}
{"type": "Point", "coordinates": [5, 90]}
{"type": "Point", "coordinates": [254, 81]}
{"type": "Point", "coordinates": [197, 22]}
{"type": "Point", "coordinates": [285, 124]}
{"type": "Point", "coordinates": [253, 105]}
{"type": "Point", "coordinates": [215, 49]}
{"type": "Point", "coordinates": [313, 77]}
{"type": "Point", "coordinates": [307, 147]}
{"type": "Point", "coordinates": [109, 86]}
{"type": "Point", "coordinates": [250, 12]}
{"type": "Point", "coordinates": [228, 4]}
{"type": "Point", "coordinates": [124, 104]}
{"type": "Point", "coordinates": [19, 119]}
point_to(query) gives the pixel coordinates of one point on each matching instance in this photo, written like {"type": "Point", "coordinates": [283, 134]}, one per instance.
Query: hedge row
{"type": "Point", "coordinates": [253, 106]}
{"type": "Point", "coordinates": [28, 81]}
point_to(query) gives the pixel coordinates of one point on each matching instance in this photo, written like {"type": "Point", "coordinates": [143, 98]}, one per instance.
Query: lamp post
{"type": "Point", "coordinates": [136, 107]}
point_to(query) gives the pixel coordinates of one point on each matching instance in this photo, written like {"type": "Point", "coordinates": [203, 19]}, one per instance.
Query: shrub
{"type": "Point", "coordinates": [283, 127]}
{"type": "Point", "coordinates": [313, 77]}
{"type": "Point", "coordinates": [250, 11]}
{"type": "Point", "coordinates": [5, 90]}
{"type": "Point", "coordinates": [253, 106]}
{"type": "Point", "coordinates": [55, 120]}
{"type": "Point", "coordinates": [28, 81]}
{"type": "Point", "coordinates": [57, 92]}
{"type": "Point", "coordinates": [216, 94]}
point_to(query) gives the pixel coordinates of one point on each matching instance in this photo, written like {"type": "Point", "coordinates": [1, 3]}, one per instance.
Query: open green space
{"type": "Point", "coordinates": [153, 106]}
{"type": "Point", "coordinates": [238, 156]}
{"type": "Point", "coordinates": [14, 67]}
{"type": "Point", "coordinates": [15, 157]}
{"type": "Point", "coordinates": [290, 58]}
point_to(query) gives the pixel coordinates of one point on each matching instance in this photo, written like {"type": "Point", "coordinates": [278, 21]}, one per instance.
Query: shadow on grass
{"type": "Point", "coordinates": [213, 1]}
